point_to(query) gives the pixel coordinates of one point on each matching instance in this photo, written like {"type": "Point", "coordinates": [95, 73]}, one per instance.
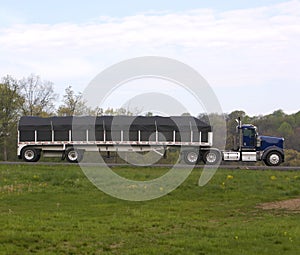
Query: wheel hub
{"type": "Point", "coordinates": [192, 157]}
{"type": "Point", "coordinates": [73, 155]}
{"type": "Point", "coordinates": [29, 154]}
{"type": "Point", "coordinates": [274, 159]}
{"type": "Point", "coordinates": [211, 157]}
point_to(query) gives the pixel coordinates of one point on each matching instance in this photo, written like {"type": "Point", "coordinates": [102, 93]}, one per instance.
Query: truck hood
{"type": "Point", "coordinates": [268, 141]}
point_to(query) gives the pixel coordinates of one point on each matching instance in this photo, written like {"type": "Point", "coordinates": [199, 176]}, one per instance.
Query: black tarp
{"type": "Point", "coordinates": [112, 125]}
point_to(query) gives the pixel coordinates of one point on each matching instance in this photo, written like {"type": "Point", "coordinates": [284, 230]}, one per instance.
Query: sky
{"type": "Point", "coordinates": [248, 51]}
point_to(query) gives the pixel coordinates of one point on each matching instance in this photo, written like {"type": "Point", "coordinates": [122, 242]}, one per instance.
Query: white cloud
{"type": "Point", "coordinates": [197, 28]}
{"type": "Point", "coordinates": [232, 48]}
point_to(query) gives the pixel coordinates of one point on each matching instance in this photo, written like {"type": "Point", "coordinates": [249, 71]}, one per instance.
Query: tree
{"type": "Point", "coordinates": [10, 104]}
{"type": "Point", "coordinates": [285, 129]}
{"type": "Point", "coordinates": [74, 105]}
{"type": "Point", "coordinates": [120, 111]}
{"type": "Point", "coordinates": [186, 114]}
{"type": "Point", "coordinates": [297, 118]}
{"type": "Point", "coordinates": [149, 114]}
{"type": "Point", "coordinates": [231, 127]}
{"type": "Point", "coordinates": [278, 114]}
{"type": "Point", "coordinates": [38, 96]}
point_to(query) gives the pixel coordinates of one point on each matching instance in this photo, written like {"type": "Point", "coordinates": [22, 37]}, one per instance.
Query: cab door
{"type": "Point", "coordinates": [249, 138]}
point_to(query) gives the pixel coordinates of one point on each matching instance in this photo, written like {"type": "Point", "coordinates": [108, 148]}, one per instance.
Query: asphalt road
{"type": "Point", "coordinates": [237, 167]}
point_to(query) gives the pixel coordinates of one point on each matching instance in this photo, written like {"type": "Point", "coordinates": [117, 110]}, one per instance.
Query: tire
{"type": "Point", "coordinates": [31, 154]}
{"type": "Point", "coordinates": [191, 157]}
{"type": "Point", "coordinates": [212, 157]}
{"type": "Point", "coordinates": [274, 158]}
{"type": "Point", "coordinates": [73, 155]}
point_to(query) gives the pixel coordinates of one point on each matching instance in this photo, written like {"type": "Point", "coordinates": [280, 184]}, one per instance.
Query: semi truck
{"type": "Point", "coordinates": [70, 137]}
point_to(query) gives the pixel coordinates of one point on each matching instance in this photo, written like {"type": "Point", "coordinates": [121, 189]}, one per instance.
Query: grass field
{"type": "Point", "coordinates": [56, 210]}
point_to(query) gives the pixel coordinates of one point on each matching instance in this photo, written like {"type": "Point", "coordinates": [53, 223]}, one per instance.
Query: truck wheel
{"type": "Point", "coordinates": [73, 155]}
{"type": "Point", "coordinates": [31, 154]}
{"type": "Point", "coordinates": [274, 158]}
{"type": "Point", "coordinates": [191, 157]}
{"type": "Point", "coordinates": [212, 157]}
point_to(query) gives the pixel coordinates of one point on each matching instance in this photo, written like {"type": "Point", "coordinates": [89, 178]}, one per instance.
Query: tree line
{"type": "Point", "coordinates": [32, 96]}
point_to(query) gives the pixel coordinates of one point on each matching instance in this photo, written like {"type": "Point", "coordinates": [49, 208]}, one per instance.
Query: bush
{"type": "Point", "coordinates": [292, 158]}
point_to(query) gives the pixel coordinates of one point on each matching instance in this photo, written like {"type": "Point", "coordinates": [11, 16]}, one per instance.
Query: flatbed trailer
{"type": "Point", "coordinates": [70, 137]}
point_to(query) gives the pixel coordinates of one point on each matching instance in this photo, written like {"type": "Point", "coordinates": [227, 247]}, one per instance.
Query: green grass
{"type": "Point", "coordinates": [56, 210]}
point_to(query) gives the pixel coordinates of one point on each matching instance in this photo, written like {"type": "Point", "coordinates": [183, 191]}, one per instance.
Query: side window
{"type": "Point", "coordinates": [249, 133]}
{"type": "Point", "coordinates": [249, 137]}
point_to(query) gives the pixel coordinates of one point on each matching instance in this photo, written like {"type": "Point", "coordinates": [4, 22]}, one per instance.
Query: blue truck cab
{"type": "Point", "coordinates": [268, 149]}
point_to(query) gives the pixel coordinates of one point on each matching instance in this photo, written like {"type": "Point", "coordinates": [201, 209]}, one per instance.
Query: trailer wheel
{"type": "Point", "coordinates": [212, 157]}
{"type": "Point", "coordinates": [274, 158]}
{"type": "Point", "coordinates": [191, 157]}
{"type": "Point", "coordinates": [31, 154]}
{"type": "Point", "coordinates": [73, 155]}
